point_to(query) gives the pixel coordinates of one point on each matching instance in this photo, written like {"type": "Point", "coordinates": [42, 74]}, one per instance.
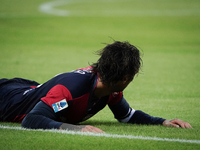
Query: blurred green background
{"type": "Point", "coordinates": [39, 39]}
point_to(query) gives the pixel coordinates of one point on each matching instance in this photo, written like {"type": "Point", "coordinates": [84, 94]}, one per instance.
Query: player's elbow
{"type": "Point", "coordinates": [27, 121]}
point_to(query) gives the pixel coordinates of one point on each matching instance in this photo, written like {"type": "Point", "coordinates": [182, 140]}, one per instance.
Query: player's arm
{"type": "Point", "coordinates": [124, 113]}
{"type": "Point", "coordinates": [42, 116]}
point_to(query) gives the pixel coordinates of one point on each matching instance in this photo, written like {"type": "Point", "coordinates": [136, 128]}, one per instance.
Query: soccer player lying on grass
{"type": "Point", "coordinates": [70, 98]}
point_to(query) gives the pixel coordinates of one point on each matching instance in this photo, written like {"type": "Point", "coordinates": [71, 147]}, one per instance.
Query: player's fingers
{"type": "Point", "coordinates": [181, 123]}
{"type": "Point", "coordinates": [89, 128]}
{"type": "Point", "coordinates": [173, 125]}
{"type": "Point", "coordinates": [97, 130]}
{"type": "Point", "coordinates": [187, 125]}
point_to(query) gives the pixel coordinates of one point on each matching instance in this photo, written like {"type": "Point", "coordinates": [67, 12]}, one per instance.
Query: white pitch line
{"type": "Point", "coordinates": [105, 135]}
{"type": "Point", "coordinates": [49, 8]}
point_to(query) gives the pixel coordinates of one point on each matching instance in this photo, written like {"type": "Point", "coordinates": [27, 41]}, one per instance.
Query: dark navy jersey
{"type": "Point", "coordinates": [14, 103]}
{"type": "Point", "coordinates": [75, 89]}
{"type": "Point", "coordinates": [67, 97]}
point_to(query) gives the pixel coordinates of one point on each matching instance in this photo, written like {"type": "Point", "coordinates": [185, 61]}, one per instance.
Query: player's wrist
{"type": "Point", "coordinates": [66, 126]}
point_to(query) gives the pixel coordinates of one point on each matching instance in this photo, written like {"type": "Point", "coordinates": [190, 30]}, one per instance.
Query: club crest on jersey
{"type": "Point", "coordinates": [60, 105]}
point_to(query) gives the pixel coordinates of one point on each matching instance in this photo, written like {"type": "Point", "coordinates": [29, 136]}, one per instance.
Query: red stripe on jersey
{"type": "Point", "coordinates": [33, 87]}
{"type": "Point", "coordinates": [114, 98]}
{"type": "Point", "coordinates": [78, 110]}
{"type": "Point", "coordinates": [56, 94]}
{"type": "Point", "coordinates": [86, 69]}
{"type": "Point", "coordinates": [78, 107]}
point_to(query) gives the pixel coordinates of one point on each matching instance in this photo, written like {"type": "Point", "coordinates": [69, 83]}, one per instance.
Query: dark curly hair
{"type": "Point", "coordinates": [117, 60]}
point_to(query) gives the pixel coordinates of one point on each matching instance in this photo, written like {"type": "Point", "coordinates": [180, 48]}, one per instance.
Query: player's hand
{"type": "Point", "coordinates": [176, 123]}
{"type": "Point", "coordinates": [82, 128]}
{"type": "Point", "coordinates": [89, 128]}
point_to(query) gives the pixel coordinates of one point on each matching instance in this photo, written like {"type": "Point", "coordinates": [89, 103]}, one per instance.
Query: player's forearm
{"type": "Point", "coordinates": [123, 113]}
{"type": "Point", "coordinates": [41, 117]}
{"type": "Point", "coordinates": [34, 121]}
{"type": "Point", "coordinates": [140, 117]}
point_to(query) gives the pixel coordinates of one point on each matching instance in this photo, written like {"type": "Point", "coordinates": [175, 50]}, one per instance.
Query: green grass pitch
{"type": "Point", "coordinates": [36, 45]}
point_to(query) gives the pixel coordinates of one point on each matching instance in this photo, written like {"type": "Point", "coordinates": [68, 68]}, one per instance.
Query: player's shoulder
{"type": "Point", "coordinates": [78, 76]}
{"type": "Point", "coordinates": [81, 71]}
{"type": "Point", "coordinates": [85, 73]}
{"type": "Point", "coordinates": [87, 70]}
